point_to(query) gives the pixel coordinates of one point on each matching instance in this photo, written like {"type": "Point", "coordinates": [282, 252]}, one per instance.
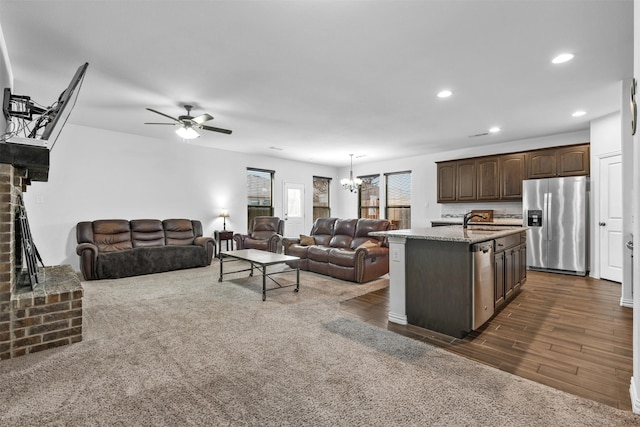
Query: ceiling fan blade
{"type": "Point", "coordinates": [170, 124]}
{"type": "Point", "coordinates": [202, 118]}
{"type": "Point", "coordinates": [163, 114]}
{"type": "Point", "coordinates": [215, 129]}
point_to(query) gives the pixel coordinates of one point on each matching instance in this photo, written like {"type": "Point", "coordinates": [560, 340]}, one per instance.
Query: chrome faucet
{"type": "Point", "coordinates": [468, 216]}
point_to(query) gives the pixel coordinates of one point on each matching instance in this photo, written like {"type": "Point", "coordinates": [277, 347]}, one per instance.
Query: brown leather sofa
{"type": "Point", "coordinates": [115, 248]}
{"type": "Point", "coordinates": [342, 248]}
{"type": "Point", "coordinates": [265, 233]}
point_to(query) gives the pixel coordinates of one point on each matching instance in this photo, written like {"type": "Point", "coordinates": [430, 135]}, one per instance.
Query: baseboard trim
{"type": "Point", "coordinates": [626, 302]}
{"type": "Point", "coordinates": [635, 399]}
{"type": "Point", "coordinates": [400, 319]}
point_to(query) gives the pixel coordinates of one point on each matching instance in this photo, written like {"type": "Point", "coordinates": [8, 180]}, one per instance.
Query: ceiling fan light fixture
{"type": "Point", "coordinates": [187, 132]}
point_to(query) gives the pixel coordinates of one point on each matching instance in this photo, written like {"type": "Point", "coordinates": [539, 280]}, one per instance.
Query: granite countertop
{"type": "Point", "coordinates": [454, 233]}
{"type": "Point", "coordinates": [496, 221]}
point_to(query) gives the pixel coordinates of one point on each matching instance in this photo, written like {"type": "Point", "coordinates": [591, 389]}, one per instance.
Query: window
{"type": "Point", "coordinates": [399, 199]}
{"type": "Point", "coordinates": [259, 193]}
{"type": "Point", "coordinates": [369, 198]}
{"type": "Point", "coordinates": [321, 206]}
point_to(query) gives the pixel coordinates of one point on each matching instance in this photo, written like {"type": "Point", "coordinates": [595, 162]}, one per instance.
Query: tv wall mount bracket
{"type": "Point", "coordinates": [19, 106]}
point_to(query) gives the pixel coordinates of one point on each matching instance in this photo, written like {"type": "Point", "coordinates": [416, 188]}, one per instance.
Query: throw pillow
{"type": "Point", "coordinates": [307, 240]}
{"type": "Point", "coordinates": [368, 244]}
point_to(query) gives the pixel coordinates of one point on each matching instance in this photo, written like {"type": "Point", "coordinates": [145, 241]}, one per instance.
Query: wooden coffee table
{"type": "Point", "coordinates": [261, 260]}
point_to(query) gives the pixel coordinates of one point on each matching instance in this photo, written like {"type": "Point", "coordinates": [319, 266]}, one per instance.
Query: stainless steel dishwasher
{"type": "Point", "coordinates": [483, 282]}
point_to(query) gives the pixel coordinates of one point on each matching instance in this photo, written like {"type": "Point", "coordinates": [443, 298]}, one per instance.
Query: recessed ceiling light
{"type": "Point", "coordinates": [563, 57]}
{"type": "Point", "coordinates": [494, 129]}
{"type": "Point", "coordinates": [578, 114]}
{"type": "Point", "coordinates": [445, 93]}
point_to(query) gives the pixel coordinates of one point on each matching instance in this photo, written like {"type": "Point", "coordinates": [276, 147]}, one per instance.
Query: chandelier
{"type": "Point", "coordinates": [351, 184]}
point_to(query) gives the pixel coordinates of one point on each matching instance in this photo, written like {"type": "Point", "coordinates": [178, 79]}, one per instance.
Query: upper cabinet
{"type": "Point", "coordinates": [499, 177]}
{"type": "Point", "coordinates": [447, 181]}
{"type": "Point", "coordinates": [466, 181]}
{"type": "Point", "coordinates": [488, 177]}
{"type": "Point", "coordinates": [513, 168]}
{"type": "Point", "coordinates": [573, 161]}
{"type": "Point", "coordinates": [561, 161]}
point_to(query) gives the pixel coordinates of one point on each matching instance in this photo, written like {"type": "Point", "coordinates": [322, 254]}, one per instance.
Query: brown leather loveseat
{"type": "Point", "coordinates": [342, 248]}
{"type": "Point", "coordinates": [115, 248]}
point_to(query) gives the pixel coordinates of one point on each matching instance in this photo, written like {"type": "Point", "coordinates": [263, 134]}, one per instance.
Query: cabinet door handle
{"type": "Point", "coordinates": [602, 224]}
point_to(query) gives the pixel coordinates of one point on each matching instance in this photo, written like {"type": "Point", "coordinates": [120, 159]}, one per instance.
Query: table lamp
{"type": "Point", "coordinates": [224, 214]}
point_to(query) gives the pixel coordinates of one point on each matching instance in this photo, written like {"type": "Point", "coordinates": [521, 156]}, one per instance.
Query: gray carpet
{"type": "Point", "coordinates": [179, 348]}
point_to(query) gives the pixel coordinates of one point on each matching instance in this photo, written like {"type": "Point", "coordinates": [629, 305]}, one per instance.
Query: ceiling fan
{"type": "Point", "coordinates": [189, 124]}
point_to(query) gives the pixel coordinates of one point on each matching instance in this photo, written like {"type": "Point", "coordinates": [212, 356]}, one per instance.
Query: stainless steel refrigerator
{"type": "Point", "coordinates": [556, 210]}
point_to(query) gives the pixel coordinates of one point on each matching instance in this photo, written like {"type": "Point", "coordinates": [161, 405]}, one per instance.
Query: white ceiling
{"type": "Point", "coordinates": [323, 79]}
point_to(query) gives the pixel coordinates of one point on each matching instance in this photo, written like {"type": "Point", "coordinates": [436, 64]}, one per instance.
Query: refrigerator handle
{"type": "Point", "coordinates": [547, 210]}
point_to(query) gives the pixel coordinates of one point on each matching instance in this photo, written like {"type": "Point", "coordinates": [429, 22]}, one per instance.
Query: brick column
{"type": "Point", "coordinates": [7, 255]}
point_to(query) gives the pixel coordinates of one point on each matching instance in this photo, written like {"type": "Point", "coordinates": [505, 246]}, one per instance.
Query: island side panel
{"type": "Point", "coordinates": [438, 286]}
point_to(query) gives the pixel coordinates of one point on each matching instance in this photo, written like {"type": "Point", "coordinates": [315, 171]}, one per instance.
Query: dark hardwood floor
{"type": "Point", "coordinates": [564, 331]}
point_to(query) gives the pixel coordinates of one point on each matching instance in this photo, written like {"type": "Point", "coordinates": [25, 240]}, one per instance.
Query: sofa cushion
{"type": "Point", "coordinates": [250, 243]}
{"type": "Point", "coordinates": [112, 235]}
{"type": "Point", "coordinates": [147, 232]}
{"type": "Point", "coordinates": [263, 227]}
{"type": "Point", "coordinates": [343, 233]}
{"type": "Point", "coordinates": [146, 260]}
{"type": "Point", "coordinates": [343, 257]}
{"type": "Point", "coordinates": [318, 253]}
{"type": "Point", "coordinates": [366, 226]}
{"type": "Point", "coordinates": [322, 230]}
{"type": "Point", "coordinates": [178, 232]}
{"type": "Point", "coordinates": [298, 250]}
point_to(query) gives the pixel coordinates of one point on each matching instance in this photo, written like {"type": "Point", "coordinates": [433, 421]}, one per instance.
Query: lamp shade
{"type": "Point", "coordinates": [224, 214]}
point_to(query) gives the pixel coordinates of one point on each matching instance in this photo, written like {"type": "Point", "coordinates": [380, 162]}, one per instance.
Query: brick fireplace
{"type": "Point", "coordinates": [50, 314]}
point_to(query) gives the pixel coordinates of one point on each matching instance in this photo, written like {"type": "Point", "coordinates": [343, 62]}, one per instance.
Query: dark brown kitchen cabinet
{"type": "Point", "coordinates": [572, 160]}
{"type": "Point", "coordinates": [510, 266]}
{"type": "Point", "coordinates": [498, 261]}
{"type": "Point", "coordinates": [512, 173]}
{"type": "Point", "coordinates": [447, 181]}
{"type": "Point", "coordinates": [541, 164]}
{"type": "Point", "coordinates": [488, 178]}
{"type": "Point", "coordinates": [466, 180]}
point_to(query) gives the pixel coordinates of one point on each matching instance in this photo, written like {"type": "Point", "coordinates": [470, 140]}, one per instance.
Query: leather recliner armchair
{"type": "Point", "coordinates": [265, 233]}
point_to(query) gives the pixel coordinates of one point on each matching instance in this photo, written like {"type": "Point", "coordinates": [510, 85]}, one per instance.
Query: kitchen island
{"type": "Point", "coordinates": [450, 279]}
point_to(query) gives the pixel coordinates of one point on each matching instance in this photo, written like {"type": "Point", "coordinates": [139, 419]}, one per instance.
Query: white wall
{"type": "Point", "coordinates": [98, 174]}
{"type": "Point", "coordinates": [6, 76]}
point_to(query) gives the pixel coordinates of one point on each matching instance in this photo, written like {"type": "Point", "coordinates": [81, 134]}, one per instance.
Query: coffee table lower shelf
{"type": "Point", "coordinates": [260, 260]}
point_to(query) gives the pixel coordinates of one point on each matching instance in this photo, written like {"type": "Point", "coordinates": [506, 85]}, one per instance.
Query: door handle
{"type": "Point", "coordinates": [602, 224]}
{"type": "Point", "coordinates": [630, 244]}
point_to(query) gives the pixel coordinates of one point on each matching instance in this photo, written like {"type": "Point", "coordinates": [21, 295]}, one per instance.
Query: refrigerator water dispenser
{"type": "Point", "coordinates": [534, 218]}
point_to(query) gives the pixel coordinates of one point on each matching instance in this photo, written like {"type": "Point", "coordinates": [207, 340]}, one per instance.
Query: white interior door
{"type": "Point", "coordinates": [610, 224]}
{"type": "Point", "coordinates": [293, 207]}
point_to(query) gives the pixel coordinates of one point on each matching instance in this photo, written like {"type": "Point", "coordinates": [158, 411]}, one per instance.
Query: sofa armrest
{"type": "Point", "coordinates": [371, 263]}
{"type": "Point", "coordinates": [239, 240]}
{"type": "Point", "coordinates": [208, 243]}
{"type": "Point", "coordinates": [274, 243]}
{"type": "Point", "coordinates": [88, 253]}
{"type": "Point", "coordinates": [378, 251]}
{"type": "Point", "coordinates": [288, 241]}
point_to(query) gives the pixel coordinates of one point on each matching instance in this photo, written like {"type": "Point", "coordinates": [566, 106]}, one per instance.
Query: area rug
{"type": "Point", "coordinates": [181, 348]}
